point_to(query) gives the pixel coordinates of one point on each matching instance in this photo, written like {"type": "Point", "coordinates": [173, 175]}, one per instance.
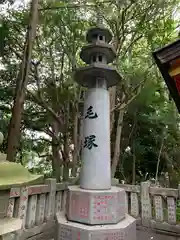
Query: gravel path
{"type": "Point", "coordinates": [146, 235]}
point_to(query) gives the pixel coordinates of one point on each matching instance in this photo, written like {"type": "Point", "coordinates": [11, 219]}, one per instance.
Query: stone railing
{"type": "Point", "coordinates": [36, 205]}
{"type": "Point", "coordinates": [153, 207]}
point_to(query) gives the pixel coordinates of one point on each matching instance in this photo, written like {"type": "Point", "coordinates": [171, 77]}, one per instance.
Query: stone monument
{"type": "Point", "coordinates": [95, 210]}
{"type": "Point", "coordinates": [12, 175]}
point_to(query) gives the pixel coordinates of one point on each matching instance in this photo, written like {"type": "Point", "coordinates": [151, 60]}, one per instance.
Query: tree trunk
{"type": "Point", "coordinates": [158, 161]}
{"type": "Point", "coordinates": [132, 139]}
{"type": "Point", "coordinates": [117, 148]}
{"type": "Point", "coordinates": [56, 162]}
{"type": "Point", "coordinates": [76, 144]}
{"type": "Point", "coordinates": [21, 84]}
{"type": "Point", "coordinates": [169, 164]}
{"type": "Point", "coordinates": [65, 154]}
{"type": "Point", "coordinates": [134, 165]}
{"type": "Point", "coordinates": [65, 171]}
{"type": "Point", "coordinates": [56, 158]}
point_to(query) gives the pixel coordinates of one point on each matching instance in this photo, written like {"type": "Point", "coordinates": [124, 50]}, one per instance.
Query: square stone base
{"type": "Point", "coordinates": [124, 230]}
{"type": "Point", "coordinates": [96, 206]}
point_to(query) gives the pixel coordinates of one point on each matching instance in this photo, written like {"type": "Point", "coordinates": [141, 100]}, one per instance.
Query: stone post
{"type": "Point", "coordinates": [95, 209]}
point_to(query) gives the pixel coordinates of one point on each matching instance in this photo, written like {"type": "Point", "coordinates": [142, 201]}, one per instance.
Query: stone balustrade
{"type": "Point", "coordinates": [36, 205]}
{"type": "Point", "coordinates": [153, 207]}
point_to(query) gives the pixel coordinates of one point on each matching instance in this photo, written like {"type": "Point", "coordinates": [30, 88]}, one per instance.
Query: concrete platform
{"type": "Point", "coordinates": [149, 235]}
{"type": "Point", "coordinates": [124, 230]}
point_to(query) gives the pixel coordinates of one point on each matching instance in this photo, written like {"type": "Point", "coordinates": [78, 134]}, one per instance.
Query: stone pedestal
{"type": "Point", "coordinates": [124, 230]}
{"type": "Point", "coordinates": [95, 215]}
{"type": "Point", "coordinates": [96, 207]}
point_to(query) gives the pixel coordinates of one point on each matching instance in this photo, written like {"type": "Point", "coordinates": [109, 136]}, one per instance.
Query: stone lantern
{"type": "Point", "coordinates": [95, 209]}
{"type": "Point", "coordinates": [12, 175]}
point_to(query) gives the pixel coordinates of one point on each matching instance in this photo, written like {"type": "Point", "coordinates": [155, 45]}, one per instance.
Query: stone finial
{"type": "Point", "coordinates": [97, 55]}
{"type": "Point", "coordinates": [99, 17]}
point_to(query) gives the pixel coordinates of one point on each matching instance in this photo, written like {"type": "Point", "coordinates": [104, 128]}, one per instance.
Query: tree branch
{"type": "Point", "coordinates": [122, 105]}
{"type": "Point", "coordinates": [43, 156]}
{"type": "Point", "coordinates": [159, 158]}
{"type": "Point", "coordinates": [42, 101]}
{"type": "Point", "coordinates": [133, 41]}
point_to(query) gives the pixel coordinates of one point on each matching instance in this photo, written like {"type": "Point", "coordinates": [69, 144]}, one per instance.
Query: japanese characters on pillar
{"type": "Point", "coordinates": [97, 76]}
{"type": "Point", "coordinates": [90, 114]}
{"type": "Point", "coordinates": [90, 140]}
{"type": "Point", "coordinates": [95, 172]}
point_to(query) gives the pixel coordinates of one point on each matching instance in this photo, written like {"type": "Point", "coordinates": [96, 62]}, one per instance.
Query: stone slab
{"type": "Point", "coordinates": [15, 175]}
{"type": "Point", "coordinates": [8, 225]}
{"type": "Point", "coordinates": [95, 206]}
{"type": "Point", "coordinates": [124, 230]}
{"type": "Point", "coordinates": [85, 75]}
{"type": "Point", "coordinates": [98, 48]}
{"type": "Point", "coordinates": [98, 31]}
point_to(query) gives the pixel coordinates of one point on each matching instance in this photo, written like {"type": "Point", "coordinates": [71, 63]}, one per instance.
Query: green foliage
{"type": "Point", "coordinates": [178, 211]}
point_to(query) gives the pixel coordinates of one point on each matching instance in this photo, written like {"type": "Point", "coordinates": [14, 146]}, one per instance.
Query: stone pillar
{"type": "Point", "coordinates": [95, 210]}
{"type": "Point", "coordinates": [95, 172]}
